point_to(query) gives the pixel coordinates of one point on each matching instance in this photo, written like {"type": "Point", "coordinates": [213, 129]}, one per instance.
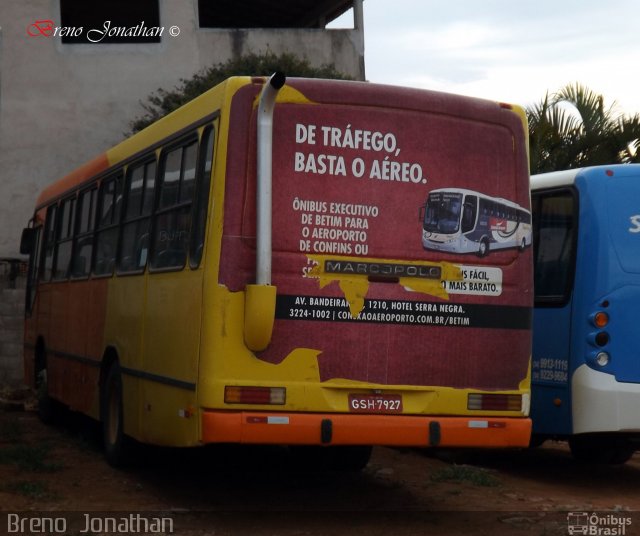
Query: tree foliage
{"type": "Point", "coordinates": [162, 101]}
{"type": "Point", "coordinates": [572, 128]}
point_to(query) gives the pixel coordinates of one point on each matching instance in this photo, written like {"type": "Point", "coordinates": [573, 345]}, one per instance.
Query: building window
{"type": "Point", "coordinates": [110, 21]}
{"type": "Point", "coordinates": [280, 14]}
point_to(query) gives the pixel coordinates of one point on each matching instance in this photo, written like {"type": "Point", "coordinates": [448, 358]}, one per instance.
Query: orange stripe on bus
{"type": "Point", "coordinates": [73, 179]}
{"type": "Point", "coordinates": [350, 429]}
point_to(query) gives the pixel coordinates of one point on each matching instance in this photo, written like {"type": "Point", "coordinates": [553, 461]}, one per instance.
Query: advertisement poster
{"type": "Point", "coordinates": [353, 196]}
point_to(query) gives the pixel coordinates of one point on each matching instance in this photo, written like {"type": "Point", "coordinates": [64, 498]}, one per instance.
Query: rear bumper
{"type": "Point", "coordinates": [350, 429]}
{"type": "Point", "coordinates": [602, 404]}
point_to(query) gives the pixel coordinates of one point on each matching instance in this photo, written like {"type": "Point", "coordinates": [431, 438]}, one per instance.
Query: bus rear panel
{"type": "Point", "coordinates": [372, 332]}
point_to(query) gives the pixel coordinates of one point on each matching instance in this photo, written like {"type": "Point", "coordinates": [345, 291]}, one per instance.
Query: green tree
{"type": "Point", "coordinates": [572, 128]}
{"type": "Point", "coordinates": [162, 102]}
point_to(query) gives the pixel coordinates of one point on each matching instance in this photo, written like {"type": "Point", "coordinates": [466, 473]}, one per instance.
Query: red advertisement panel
{"type": "Point", "coordinates": [381, 205]}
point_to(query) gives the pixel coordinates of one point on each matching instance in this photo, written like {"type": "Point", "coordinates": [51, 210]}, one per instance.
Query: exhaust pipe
{"type": "Point", "coordinates": [264, 177]}
{"type": "Point", "coordinates": [260, 298]}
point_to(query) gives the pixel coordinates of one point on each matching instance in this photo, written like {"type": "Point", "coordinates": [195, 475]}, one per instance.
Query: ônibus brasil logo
{"type": "Point", "coordinates": [597, 524]}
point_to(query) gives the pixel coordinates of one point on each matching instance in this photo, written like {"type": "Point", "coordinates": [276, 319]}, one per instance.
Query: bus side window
{"type": "Point", "coordinates": [554, 231]}
{"type": "Point", "coordinates": [139, 194]}
{"type": "Point", "coordinates": [34, 263]}
{"type": "Point", "coordinates": [109, 205]}
{"type": "Point", "coordinates": [49, 241]}
{"type": "Point", "coordinates": [173, 216]}
{"type": "Point", "coordinates": [199, 222]}
{"type": "Point", "coordinates": [62, 256]}
{"type": "Point", "coordinates": [469, 213]}
{"type": "Point", "coordinates": [83, 242]}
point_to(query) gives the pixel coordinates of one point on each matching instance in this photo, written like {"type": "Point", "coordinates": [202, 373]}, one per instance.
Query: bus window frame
{"type": "Point", "coordinates": [48, 241]}
{"type": "Point", "coordinates": [563, 299]}
{"type": "Point", "coordinates": [201, 196]}
{"type": "Point", "coordinates": [113, 175]}
{"type": "Point", "coordinates": [191, 138]}
{"type": "Point", "coordinates": [33, 271]}
{"type": "Point", "coordinates": [141, 162]}
{"type": "Point", "coordinates": [62, 273]}
{"type": "Point", "coordinates": [92, 191]}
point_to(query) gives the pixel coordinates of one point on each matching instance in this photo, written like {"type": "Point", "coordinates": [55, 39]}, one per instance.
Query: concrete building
{"type": "Point", "coordinates": [73, 75]}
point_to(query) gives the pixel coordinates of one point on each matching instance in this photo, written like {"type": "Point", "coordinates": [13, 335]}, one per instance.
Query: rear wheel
{"type": "Point", "coordinates": [117, 448]}
{"type": "Point", "coordinates": [601, 450]}
{"type": "Point", "coordinates": [347, 458]}
{"type": "Point", "coordinates": [483, 247]}
{"type": "Point", "coordinates": [48, 408]}
{"type": "Point", "coordinates": [351, 458]}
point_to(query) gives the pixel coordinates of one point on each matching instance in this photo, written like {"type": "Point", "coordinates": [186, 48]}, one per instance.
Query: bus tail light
{"type": "Point", "coordinates": [236, 394]}
{"type": "Point", "coordinates": [602, 358]}
{"type": "Point", "coordinates": [494, 402]}
{"type": "Point", "coordinates": [600, 319]}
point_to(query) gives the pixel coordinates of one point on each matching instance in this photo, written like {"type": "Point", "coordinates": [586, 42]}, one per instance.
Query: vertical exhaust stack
{"type": "Point", "coordinates": [260, 298]}
{"type": "Point", "coordinates": [264, 178]}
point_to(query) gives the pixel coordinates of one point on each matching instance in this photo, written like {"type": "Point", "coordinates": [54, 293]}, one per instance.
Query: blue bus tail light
{"type": "Point", "coordinates": [602, 338]}
{"type": "Point", "coordinates": [602, 359]}
{"type": "Point", "coordinates": [599, 319]}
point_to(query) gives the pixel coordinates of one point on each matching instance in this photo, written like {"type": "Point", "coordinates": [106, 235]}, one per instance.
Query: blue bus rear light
{"type": "Point", "coordinates": [602, 358]}
{"type": "Point", "coordinates": [599, 319]}
{"type": "Point", "coordinates": [602, 338]}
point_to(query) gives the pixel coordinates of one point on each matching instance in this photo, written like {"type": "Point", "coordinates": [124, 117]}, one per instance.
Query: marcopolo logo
{"type": "Point", "coordinates": [597, 524]}
{"type": "Point", "coordinates": [47, 28]}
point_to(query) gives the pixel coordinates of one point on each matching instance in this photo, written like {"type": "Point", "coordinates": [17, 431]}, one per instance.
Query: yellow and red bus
{"type": "Point", "coordinates": [251, 269]}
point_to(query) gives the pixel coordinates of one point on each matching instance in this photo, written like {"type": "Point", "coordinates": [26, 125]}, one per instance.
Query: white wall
{"type": "Point", "coordinates": [60, 105]}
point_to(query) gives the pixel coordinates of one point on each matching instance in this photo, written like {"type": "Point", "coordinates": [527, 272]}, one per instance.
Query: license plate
{"type": "Point", "coordinates": [375, 403]}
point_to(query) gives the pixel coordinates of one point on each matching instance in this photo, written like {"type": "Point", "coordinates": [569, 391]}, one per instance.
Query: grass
{"type": "Point", "coordinates": [28, 458]}
{"type": "Point", "coordinates": [29, 488]}
{"type": "Point", "coordinates": [465, 474]}
{"type": "Point", "coordinates": [10, 431]}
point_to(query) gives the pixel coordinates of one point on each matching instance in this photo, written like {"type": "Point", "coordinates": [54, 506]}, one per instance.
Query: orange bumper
{"type": "Point", "coordinates": [350, 429]}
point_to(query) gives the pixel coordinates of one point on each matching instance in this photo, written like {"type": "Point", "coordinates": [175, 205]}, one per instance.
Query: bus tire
{"type": "Point", "coordinates": [48, 408]}
{"type": "Point", "coordinates": [351, 458]}
{"type": "Point", "coordinates": [345, 458]}
{"type": "Point", "coordinates": [483, 247]}
{"type": "Point", "coordinates": [116, 444]}
{"type": "Point", "coordinates": [603, 451]}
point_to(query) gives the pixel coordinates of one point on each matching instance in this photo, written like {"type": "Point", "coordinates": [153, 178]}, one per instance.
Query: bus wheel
{"type": "Point", "coordinates": [48, 408]}
{"type": "Point", "coordinates": [350, 458]}
{"type": "Point", "coordinates": [46, 405]}
{"type": "Point", "coordinates": [483, 248]}
{"type": "Point", "coordinates": [116, 446]}
{"type": "Point", "coordinates": [603, 450]}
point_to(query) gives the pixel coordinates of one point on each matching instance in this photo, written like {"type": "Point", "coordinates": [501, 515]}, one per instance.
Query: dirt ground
{"type": "Point", "coordinates": [225, 490]}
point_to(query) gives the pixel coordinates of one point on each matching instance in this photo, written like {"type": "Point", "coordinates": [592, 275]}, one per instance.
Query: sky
{"type": "Point", "coordinates": [506, 50]}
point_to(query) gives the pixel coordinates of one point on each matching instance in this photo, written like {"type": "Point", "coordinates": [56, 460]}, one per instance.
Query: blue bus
{"type": "Point", "coordinates": [457, 220]}
{"type": "Point", "coordinates": [586, 345]}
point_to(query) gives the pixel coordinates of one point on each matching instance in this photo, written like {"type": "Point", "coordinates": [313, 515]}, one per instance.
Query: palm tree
{"type": "Point", "coordinates": [572, 128]}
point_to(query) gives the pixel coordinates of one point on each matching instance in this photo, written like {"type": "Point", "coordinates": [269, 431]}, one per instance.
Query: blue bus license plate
{"type": "Point", "coordinates": [375, 403]}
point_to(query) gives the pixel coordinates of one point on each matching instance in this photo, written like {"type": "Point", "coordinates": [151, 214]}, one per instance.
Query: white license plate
{"type": "Point", "coordinates": [375, 403]}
